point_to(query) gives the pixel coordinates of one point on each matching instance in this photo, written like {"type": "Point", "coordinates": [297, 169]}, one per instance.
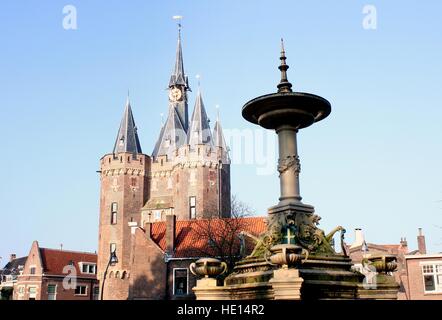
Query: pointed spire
{"type": "Point", "coordinates": [127, 138]}
{"type": "Point", "coordinates": [218, 135]}
{"type": "Point", "coordinates": [284, 85]}
{"type": "Point", "coordinates": [199, 130]}
{"type": "Point", "coordinates": [178, 78]}
{"type": "Point", "coordinates": [172, 136]}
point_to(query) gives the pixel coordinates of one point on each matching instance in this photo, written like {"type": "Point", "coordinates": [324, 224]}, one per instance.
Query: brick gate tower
{"type": "Point", "coordinates": [188, 176]}
{"type": "Point", "coordinates": [124, 190]}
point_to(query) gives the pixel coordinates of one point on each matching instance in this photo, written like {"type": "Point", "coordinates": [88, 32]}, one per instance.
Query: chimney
{"type": "Point", "coordinates": [12, 257]}
{"type": "Point", "coordinates": [359, 238]}
{"type": "Point", "coordinates": [421, 242]}
{"type": "Point", "coordinates": [170, 234]}
{"type": "Point", "coordinates": [404, 242]}
{"type": "Point", "coordinates": [148, 229]}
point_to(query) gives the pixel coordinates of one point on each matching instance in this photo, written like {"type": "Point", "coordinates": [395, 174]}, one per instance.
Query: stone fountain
{"type": "Point", "coordinates": [294, 258]}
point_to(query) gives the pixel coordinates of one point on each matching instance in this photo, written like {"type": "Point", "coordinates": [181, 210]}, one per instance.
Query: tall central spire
{"type": "Point", "coordinates": [179, 85]}
{"type": "Point", "coordinates": [178, 78]}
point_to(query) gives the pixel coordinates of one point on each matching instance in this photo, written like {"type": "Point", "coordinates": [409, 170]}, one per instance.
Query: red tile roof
{"type": "Point", "coordinates": [55, 260]}
{"type": "Point", "coordinates": [190, 241]}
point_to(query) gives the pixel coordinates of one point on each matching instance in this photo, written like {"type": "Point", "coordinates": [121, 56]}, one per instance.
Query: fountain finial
{"type": "Point", "coordinates": [284, 85]}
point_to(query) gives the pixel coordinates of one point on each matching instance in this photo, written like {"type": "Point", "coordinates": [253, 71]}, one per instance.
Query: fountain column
{"type": "Point", "coordinates": [289, 165]}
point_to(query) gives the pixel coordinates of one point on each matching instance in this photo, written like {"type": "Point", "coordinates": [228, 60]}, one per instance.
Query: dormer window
{"type": "Point", "coordinates": [122, 141]}
{"type": "Point", "coordinates": [88, 268]}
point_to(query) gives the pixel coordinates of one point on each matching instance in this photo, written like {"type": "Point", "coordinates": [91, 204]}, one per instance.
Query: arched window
{"type": "Point", "coordinates": [117, 274]}
{"type": "Point", "coordinates": [123, 275]}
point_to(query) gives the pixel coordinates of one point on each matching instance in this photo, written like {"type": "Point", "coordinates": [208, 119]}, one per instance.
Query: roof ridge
{"type": "Point", "coordinates": [69, 251]}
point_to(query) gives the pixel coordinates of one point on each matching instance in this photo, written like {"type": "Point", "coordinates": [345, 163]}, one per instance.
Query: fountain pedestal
{"type": "Point", "coordinates": [323, 273]}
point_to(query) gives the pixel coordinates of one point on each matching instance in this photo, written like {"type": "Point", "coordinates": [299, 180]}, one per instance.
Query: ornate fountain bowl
{"type": "Point", "coordinates": [286, 255]}
{"type": "Point", "coordinates": [297, 109]}
{"type": "Point", "coordinates": [208, 267]}
{"type": "Point", "coordinates": [384, 263]}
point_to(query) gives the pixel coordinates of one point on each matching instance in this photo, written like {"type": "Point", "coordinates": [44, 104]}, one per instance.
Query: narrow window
{"type": "Point", "coordinates": [32, 293]}
{"type": "Point", "coordinates": [114, 211]}
{"type": "Point", "coordinates": [192, 207]}
{"type": "Point", "coordinates": [180, 279]}
{"type": "Point", "coordinates": [113, 247]}
{"type": "Point", "coordinates": [32, 270]}
{"type": "Point", "coordinates": [52, 292]}
{"type": "Point", "coordinates": [96, 293]}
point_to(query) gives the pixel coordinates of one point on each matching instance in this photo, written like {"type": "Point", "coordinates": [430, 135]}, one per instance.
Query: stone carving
{"type": "Point", "coordinates": [289, 162]}
{"type": "Point", "coordinates": [307, 234]}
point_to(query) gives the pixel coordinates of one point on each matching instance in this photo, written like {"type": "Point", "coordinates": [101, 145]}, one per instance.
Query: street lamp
{"type": "Point", "coordinates": [112, 261]}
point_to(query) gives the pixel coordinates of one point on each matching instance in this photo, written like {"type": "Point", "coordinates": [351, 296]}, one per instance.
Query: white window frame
{"type": "Point", "coordinates": [192, 205]}
{"type": "Point", "coordinates": [34, 294]}
{"type": "Point", "coordinates": [88, 264]}
{"type": "Point", "coordinates": [56, 287]}
{"type": "Point", "coordinates": [81, 295]}
{"type": "Point", "coordinates": [437, 272]}
{"type": "Point", "coordinates": [112, 247]}
{"type": "Point", "coordinates": [187, 276]}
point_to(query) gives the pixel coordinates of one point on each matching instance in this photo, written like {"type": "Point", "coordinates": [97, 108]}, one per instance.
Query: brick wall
{"type": "Point", "coordinates": [124, 180]}
{"type": "Point", "coordinates": [148, 272]}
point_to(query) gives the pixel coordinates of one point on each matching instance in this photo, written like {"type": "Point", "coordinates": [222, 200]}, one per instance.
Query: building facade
{"type": "Point", "coordinates": [424, 281]}
{"type": "Point", "coordinates": [9, 275]}
{"type": "Point", "coordinates": [418, 274]}
{"type": "Point", "coordinates": [186, 176]}
{"type": "Point", "coordinates": [51, 274]}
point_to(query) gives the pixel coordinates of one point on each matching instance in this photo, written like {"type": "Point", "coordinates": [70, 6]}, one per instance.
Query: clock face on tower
{"type": "Point", "coordinates": [175, 94]}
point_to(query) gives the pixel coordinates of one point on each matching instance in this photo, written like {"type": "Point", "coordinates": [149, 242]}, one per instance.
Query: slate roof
{"type": "Point", "coordinates": [172, 135]}
{"type": "Point", "coordinates": [13, 266]}
{"type": "Point", "coordinates": [218, 136]}
{"type": "Point", "coordinates": [178, 78]}
{"type": "Point", "coordinates": [199, 131]}
{"type": "Point", "coordinates": [127, 138]}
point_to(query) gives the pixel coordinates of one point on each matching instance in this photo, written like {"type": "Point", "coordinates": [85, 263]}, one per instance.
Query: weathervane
{"type": "Point", "coordinates": [179, 19]}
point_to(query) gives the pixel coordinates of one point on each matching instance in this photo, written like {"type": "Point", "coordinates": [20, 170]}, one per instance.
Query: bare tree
{"type": "Point", "coordinates": [222, 235]}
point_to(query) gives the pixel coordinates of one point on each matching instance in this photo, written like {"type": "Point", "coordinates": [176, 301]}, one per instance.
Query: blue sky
{"type": "Point", "coordinates": [375, 163]}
